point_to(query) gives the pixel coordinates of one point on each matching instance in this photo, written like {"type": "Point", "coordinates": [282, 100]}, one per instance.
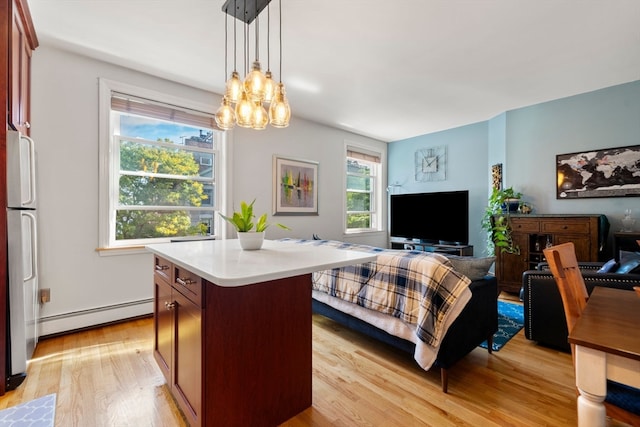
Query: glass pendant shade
{"type": "Point", "coordinates": [259, 116]}
{"type": "Point", "coordinates": [254, 84]}
{"type": "Point", "coordinates": [225, 116]}
{"type": "Point", "coordinates": [279, 110]}
{"type": "Point", "coordinates": [244, 108]}
{"type": "Point", "coordinates": [269, 87]}
{"type": "Point", "coordinates": [234, 88]}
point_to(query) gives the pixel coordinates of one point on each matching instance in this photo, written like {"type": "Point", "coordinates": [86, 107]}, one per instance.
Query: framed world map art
{"type": "Point", "coordinates": [610, 172]}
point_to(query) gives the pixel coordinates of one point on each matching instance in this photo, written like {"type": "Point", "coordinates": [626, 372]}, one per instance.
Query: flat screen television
{"type": "Point", "coordinates": [440, 217]}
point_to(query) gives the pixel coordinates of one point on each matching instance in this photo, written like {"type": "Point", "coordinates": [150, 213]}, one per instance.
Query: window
{"type": "Point", "coordinates": [363, 187]}
{"type": "Point", "coordinates": [161, 175]}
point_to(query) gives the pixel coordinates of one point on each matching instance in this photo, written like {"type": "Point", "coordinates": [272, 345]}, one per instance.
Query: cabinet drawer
{"type": "Point", "coordinates": [162, 268]}
{"type": "Point", "coordinates": [189, 284]}
{"type": "Point", "coordinates": [521, 225]}
{"type": "Point", "coordinates": [581, 227]}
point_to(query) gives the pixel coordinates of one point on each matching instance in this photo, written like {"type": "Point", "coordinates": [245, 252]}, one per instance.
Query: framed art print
{"type": "Point", "coordinates": [295, 186]}
{"type": "Point", "coordinates": [609, 172]}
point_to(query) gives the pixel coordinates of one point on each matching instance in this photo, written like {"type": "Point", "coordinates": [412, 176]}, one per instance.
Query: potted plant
{"type": "Point", "coordinates": [243, 223]}
{"type": "Point", "coordinates": [496, 219]}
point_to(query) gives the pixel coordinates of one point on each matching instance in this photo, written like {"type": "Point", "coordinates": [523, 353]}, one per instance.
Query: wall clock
{"type": "Point", "coordinates": [431, 164]}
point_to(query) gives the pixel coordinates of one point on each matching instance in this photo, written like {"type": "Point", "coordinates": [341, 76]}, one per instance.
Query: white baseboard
{"type": "Point", "coordinates": [95, 316]}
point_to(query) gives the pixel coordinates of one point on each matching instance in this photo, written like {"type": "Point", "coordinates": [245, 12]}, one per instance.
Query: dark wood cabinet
{"type": "Point", "coordinates": [15, 82]}
{"type": "Point", "coordinates": [238, 355]}
{"type": "Point", "coordinates": [178, 335]}
{"type": "Point", "coordinates": [532, 233]}
{"type": "Point", "coordinates": [163, 319]}
{"type": "Point", "coordinates": [23, 42]}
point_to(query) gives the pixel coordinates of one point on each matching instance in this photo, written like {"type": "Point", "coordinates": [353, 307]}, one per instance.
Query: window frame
{"type": "Point", "coordinates": [109, 169]}
{"type": "Point", "coordinates": [376, 206]}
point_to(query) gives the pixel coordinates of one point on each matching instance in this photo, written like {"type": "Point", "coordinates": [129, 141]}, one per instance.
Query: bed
{"type": "Point", "coordinates": [436, 307]}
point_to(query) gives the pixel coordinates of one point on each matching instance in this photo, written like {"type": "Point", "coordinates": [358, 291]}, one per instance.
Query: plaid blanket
{"type": "Point", "coordinates": [419, 288]}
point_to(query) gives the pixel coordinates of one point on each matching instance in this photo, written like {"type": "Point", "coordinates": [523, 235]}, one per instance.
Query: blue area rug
{"type": "Point", "coordinates": [39, 412]}
{"type": "Point", "coordinates": [510, 321]}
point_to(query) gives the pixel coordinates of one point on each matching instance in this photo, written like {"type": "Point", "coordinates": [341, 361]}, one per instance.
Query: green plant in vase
{"type": "Point", "coordinates": [496, 220]}
{"type": "Point", "coordinates": [243, 222]}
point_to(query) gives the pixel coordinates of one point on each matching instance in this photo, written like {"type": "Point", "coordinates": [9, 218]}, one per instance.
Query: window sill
{"type": "Point", "coordinates": [140, 249]}
{"type": "Point", "coordinates": [123, 250]}
{"type": "Point", "coordinates": [356, 232]}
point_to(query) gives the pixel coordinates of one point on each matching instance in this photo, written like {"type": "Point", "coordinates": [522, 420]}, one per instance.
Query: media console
{"type": "Point", "coordinates": [402, 243]}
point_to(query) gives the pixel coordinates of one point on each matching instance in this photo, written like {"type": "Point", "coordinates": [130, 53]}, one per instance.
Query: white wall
{"type": "Point", "coordinates": [252, 175]}
{"type": "Point", "coordinates": [87, 288]}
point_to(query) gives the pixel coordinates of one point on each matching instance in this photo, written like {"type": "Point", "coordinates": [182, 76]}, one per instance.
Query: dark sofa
{"type": "Point", "coordinates": [477, 322]}
{"type": "Point", "coordinates": [544, 319]}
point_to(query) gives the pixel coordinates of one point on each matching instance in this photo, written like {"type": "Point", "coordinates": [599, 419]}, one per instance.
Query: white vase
{"type": "Point", "coordinates": [250, 240]}
{"type": "Point", "coordinates": [627, 223]}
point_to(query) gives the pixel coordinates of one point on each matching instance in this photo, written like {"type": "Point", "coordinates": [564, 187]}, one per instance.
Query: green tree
{"type": "Point", "coordinates": [157, 191]}
{"type": "Point", "coordinates": [358, 195]}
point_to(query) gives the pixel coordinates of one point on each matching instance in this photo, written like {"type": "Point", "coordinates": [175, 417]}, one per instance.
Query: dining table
{"type": "Point", "coordinates": [607, 347]}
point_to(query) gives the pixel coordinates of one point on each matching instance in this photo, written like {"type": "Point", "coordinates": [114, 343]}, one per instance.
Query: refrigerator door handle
{"type": "Point", "coordinates": [32, 170]}
{"type": "Point", "coordinates": [34, 239]}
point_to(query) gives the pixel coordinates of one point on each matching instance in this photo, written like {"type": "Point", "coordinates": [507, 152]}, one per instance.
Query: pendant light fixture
{"type": "Point", "coordinates": [279, 110]}
{"type": "Point", "coordinates": [225, 116]}
{"type": "Point", "coordinates": [269, 84]}
{"type": "Point", "coordinates": [256, 101]}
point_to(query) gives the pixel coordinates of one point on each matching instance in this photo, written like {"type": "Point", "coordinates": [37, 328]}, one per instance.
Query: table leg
{"type": "Point", "coordinates": [591, 411]}
{"type": "Point", "coordinates": [591, 380]}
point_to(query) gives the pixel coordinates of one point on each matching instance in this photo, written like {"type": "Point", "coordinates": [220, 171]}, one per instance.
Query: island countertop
{"type": "Point", "coordinates": [224, 263]}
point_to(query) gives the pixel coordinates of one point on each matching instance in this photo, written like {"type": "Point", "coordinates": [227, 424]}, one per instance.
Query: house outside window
{"type": "Point", "coordinates": [159, 174]}
{"type": "Point", "coordinates": [363, 190]}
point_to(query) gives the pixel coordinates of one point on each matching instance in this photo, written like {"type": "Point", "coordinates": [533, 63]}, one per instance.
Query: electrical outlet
{"type": "Point", "coordinates": [45, 295]}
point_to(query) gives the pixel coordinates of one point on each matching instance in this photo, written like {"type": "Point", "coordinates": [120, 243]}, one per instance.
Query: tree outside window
{"type": "Point", "coordinates": [360, 194]}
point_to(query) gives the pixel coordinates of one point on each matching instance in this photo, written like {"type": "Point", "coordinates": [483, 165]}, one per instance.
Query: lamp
{"type": "Point", "coordinates": [257, 100]}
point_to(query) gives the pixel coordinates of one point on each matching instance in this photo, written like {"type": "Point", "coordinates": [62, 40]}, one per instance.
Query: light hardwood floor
{"type": "Point", "coordinates": [108, 377]}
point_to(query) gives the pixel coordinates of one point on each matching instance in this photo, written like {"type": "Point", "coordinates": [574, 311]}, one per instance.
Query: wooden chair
{"type": "Point", "coordinates": [622, 402]}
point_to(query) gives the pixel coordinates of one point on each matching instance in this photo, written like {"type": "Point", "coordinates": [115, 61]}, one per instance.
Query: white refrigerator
{"type": "Point", "coordinates": [22, 255]}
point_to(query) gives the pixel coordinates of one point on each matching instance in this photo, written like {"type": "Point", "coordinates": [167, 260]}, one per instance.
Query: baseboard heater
{"type": "Point", "coordinates": [81, 319]}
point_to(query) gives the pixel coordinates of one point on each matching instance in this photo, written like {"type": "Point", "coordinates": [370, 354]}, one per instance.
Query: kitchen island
{"type": "Point", "coordinates": [233, 327]}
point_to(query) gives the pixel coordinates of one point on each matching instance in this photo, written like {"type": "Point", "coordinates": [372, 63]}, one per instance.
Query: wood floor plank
{"type": "Point", "coordinates": [108, 377]}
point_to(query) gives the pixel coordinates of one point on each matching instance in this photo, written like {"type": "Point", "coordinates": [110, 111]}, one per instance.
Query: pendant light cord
{"type": "Point", "coordinates": [246, 41]}
{"type": "Point", "coordinates": [235, 52]}
{"type": "Point", "coordinates": [269, 36]}
{"type": "Point", "coordinates": [226, 15]}
{"type": "Point", "coordinates": [257, 31]}
{"type": "Point", "coordinates": [280, 7]}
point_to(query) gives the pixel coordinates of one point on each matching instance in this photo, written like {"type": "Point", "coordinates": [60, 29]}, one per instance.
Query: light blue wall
{"type": "Point", "coordinates": [604, 118]}
{"type": "Point", "coordinates": [467, 158]}
{"type": "Point", "coordinates": [527, 141]}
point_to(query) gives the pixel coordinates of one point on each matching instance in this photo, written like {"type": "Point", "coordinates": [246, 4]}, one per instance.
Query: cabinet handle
{"type": "Point", "coordinates": [185, 282]}
{"type": "Point", "coordinates": [162, 267]}
{"type": "Point", "coordinates": [169, 305]}
{"type": "Point", "coordinates": [27, 125]}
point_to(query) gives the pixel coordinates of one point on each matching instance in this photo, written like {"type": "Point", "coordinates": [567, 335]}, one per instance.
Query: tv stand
{"type": "Point", "coordinates": [410, 244]}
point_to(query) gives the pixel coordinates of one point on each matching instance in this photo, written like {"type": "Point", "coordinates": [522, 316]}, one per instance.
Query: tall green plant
{"type": "Point", "coordinates": [496, 221]}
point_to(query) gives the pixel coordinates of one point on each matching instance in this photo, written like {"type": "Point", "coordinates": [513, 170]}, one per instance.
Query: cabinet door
{"type": "Point", "coordinates": [582, 244]}
{"type": "Point", "coordinates": [511, 266]}
{"type": "Point", "coordinates": [187, 382]}
{"type": "Point", "coordinates": [164, 326]}
{"type": "Point", "coordinates": [20, 72]}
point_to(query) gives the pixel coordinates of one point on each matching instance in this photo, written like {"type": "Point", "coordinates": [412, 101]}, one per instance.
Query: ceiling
{"type": "Point", "coordinates": [384, 69]}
